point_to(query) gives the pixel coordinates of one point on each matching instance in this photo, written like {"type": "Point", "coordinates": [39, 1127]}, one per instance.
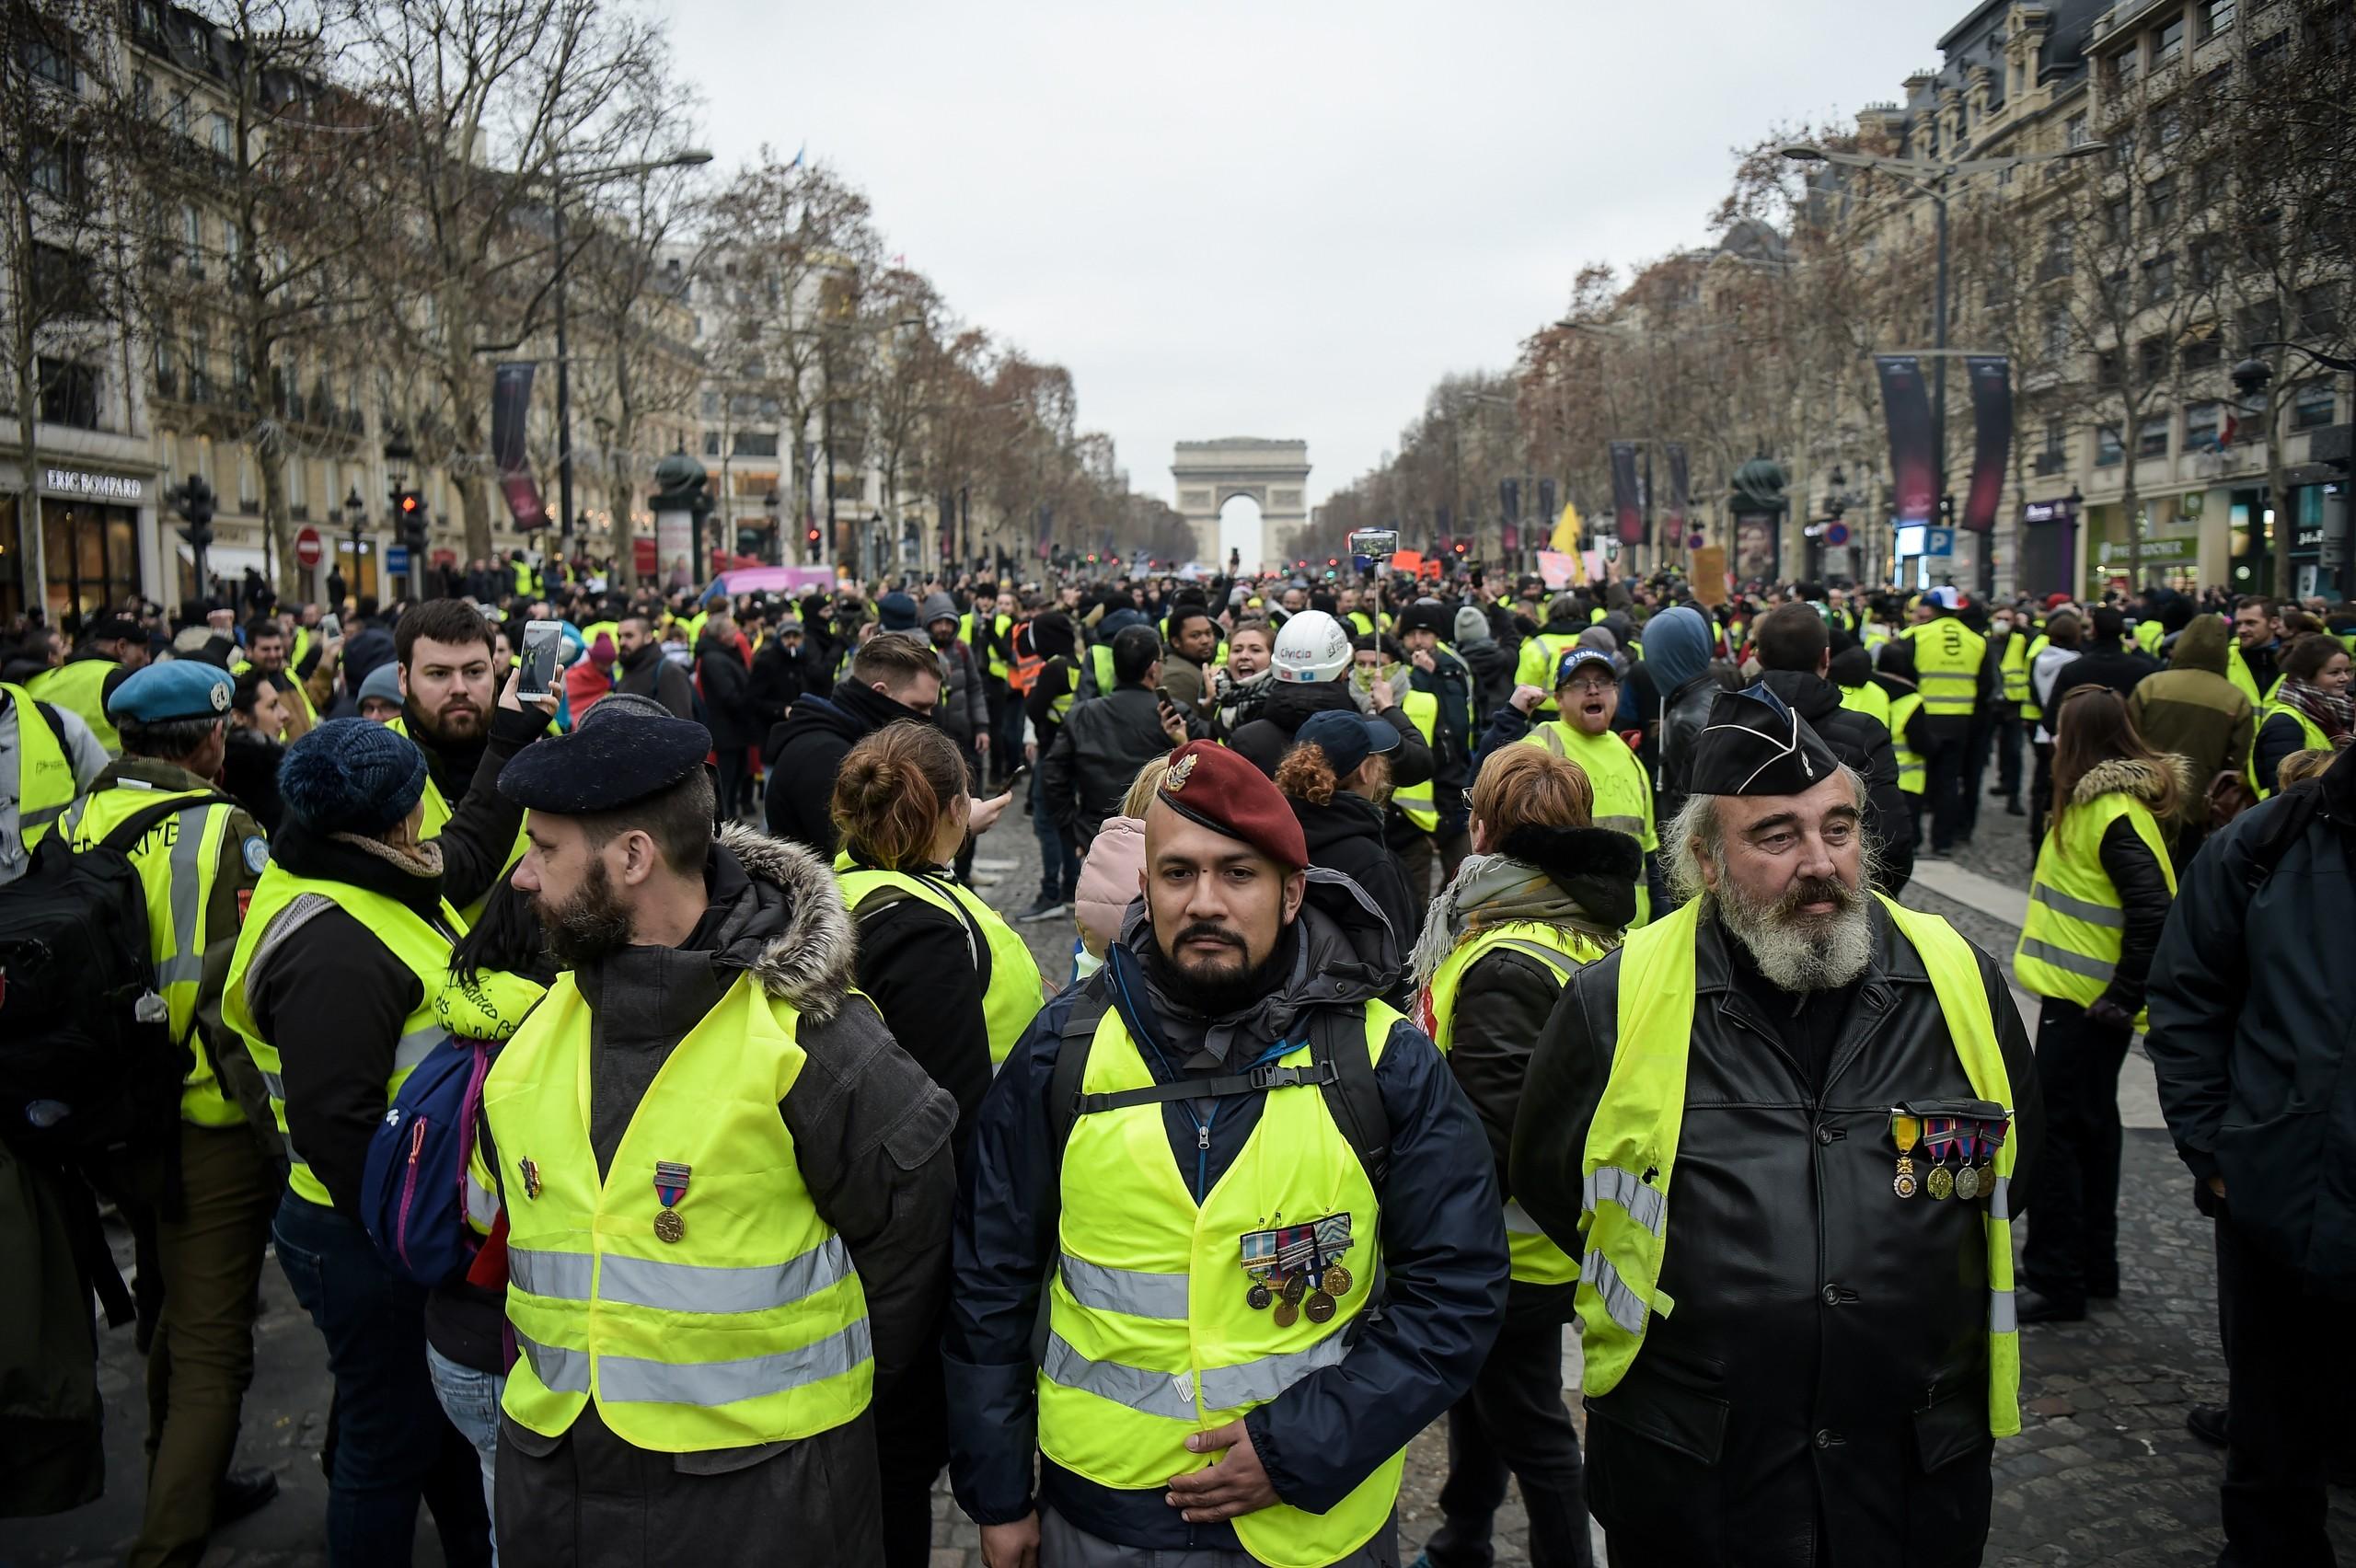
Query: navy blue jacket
{"type": "Point", "coordinates": [1417, 1352]}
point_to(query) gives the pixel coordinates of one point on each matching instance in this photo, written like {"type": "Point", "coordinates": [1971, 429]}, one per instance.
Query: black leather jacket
{"type": "Point", "coordinates": [1682, 714]}
{"type": "Point", "coordinates": [1818, 1395]}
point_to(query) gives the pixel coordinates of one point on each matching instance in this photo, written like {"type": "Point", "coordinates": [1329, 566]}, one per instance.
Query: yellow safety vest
{"type": "Point", "coordinates": [522, 572]}
{"type": "Point", "coordinates": [747, 1325]}
{"type": "Point", "coordinates": [1361, 623]}
{"type": "Point", "coordinates": [302, 697]}
{"type": "Point", "coordinates": [424, 948]}
{"type": "Point", "coordinates": [2030, 712]}
{"type": "Point", "coordinates": [994, 657]}
{"type": "Point", "coordinates": [1535, 1259]}
{"type": "Point", "coordinates": [2149, 634]}
{"type": "Point", "coordinates": [2311, 731]}
{"type": "Point", "coordinates": [1623, 796]}
{"type": "Point", "coordinates": [437, 817]}
{"type": "Point", "coordinates": [1012, 997]}
{"type": "Point", "coordinates": [1100, 664]}
{"type": "Point", "coordinates": [1911, 775]}
{"type": "Point", "coordinates": [1631, 1154]}
{"type": "Point", "coordinates": [43, 787]}
{"type": "Point", "coordinates": [1948, 656]}
{"type": "Point", "coordinates": [589, 633]}
{"type": "Point", "coordinates": [1536, 666]}
{"type": "Point", "coordinates": [2071, 940]}
{"type": "Point", "coordinates": [2236, 670]}
{"type": "Point", "coordinates": [2017, 653]}
{"type": "Point", "coordinates": [1417, 801]}
{"type": "Point", "coordinates": [1150, 1337]}
{"type": "Point", "coordinates": [489, 1006]}
{"type": "Point", "coordinates": [1869, 699]}
{"type": "Point", "coordinates": [80, 685]}
{"type": "Point", "coordinates": [179, 861]}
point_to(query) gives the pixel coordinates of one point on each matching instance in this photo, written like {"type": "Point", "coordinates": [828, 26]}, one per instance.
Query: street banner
{"type": "Point", "coordinates": [1509, 502]}
{"type": "Point", "coordinates": [1627, 497]}
{"type": "Point", "coordinates": [1992, 418]}
{"type": "Point", "coordinates": [1906, 407]}
{"type": "Point", "coordinates": [1566, 529]}
{"type": "Point", "coordinates": [511, 408]}
{"type": "Point", "coordinates": [1046, 531]}
{"type": "Point", "coordinates": [1554, 568]}
{"type": "Point", "coordinates": [1679, 480]}
{"type": "Point", "coordinates": [1708, 576]}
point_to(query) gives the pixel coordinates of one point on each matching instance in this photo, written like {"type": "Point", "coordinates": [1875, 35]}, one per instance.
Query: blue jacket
{"type": "Point", "coordinates": [1443, 1253]}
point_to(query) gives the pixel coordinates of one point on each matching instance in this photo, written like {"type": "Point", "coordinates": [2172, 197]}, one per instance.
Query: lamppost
{"type": "Point", "coordinates": [1933, 178]}
{"type": "Point", "coordinates": [2251, 379]}
{"type": "Point", "coordinates": [355, 517]}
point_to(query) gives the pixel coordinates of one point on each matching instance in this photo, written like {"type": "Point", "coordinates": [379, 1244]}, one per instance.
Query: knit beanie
{"type": "Point", "coordinates": [384, 681]}
{"type": "Point", "coordinates": [350, 775]}
{"type": "Point", "coordinates": [1472, 626]}
{"type": "Point", "coordinates": [897, 612]}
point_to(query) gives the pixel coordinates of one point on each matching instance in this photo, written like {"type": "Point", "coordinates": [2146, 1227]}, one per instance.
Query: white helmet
{"type": "Point", "coordinates": [1311, 646]}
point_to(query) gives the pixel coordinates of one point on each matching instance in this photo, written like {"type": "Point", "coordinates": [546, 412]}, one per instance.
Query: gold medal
{"type": "Point", "coordinates": [1941, 1182]}
{"type": "Point", "coordinates": [1320, 1308]}
{"type": "Point", "coordinates": [669, 1227]}
{"type": "Point", "coordinates": [1287, 1313]}
{"type": "Point", "coordinates": [1337, 1280]}
{"type": "Point", "coordinates": [1907, 1130]}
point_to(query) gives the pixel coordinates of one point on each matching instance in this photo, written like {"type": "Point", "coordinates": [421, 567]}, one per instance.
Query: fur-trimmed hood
{"type": "Point", "coordinates": [792, 932]}
{"type": "Point", "coordinates": [1597, 866]}
{"type": "Point", "coordinates": [2147, 782]}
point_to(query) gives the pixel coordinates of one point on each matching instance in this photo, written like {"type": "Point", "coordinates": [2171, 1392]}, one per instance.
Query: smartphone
{"type": "Point", "coordinates": [1380, 543]}
{"type": "Point", "coordinates": [543, 641]}
{"type": "Point", "coordinates": [330, 626]}
{"type": "Point", "coordinates": [1016, 781]}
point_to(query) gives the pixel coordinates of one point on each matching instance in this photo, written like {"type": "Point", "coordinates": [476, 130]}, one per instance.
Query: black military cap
{"type": "Point", "coordinates": [1755, 745]}
{"type": "Point", "coordinates": [610, 760]}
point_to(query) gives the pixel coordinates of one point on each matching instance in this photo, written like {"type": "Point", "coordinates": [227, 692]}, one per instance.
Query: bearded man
{"type": "Point", "coordinates": [1785, 1128]}
{"type": "Point", "coordinates": [1256, 1208]}
{"type": "Point", "coordinates": [727, 1191]}
{"type": "Point", "coordinates": [443, 650]}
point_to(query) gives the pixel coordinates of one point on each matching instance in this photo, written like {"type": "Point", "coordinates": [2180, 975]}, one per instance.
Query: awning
{"type": "Point", "coordinates": [226, 561]}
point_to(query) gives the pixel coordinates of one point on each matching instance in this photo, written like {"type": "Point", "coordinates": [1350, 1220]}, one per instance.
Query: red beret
{"type": "Point", "coordinates": [1213, 787]}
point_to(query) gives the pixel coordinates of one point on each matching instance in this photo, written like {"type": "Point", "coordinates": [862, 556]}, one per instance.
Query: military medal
{"type": "Point", "coordinates": [1258, 1297]}
{"type": "Point", "coordinates": [531, 1174]}
{"type": "Point", "coordinates": [1967, 1175]}
{"type": "Point", "coordinates": [1939, 1142]}
{"type": "Point", "coordinates": [670, 1186]}
{"type": "Point", "coordinates": [1286, 1314]}
{"type": "Point", "coordinates": [1320, 1308]}
{"type": "Point", "coordinates": [1296, 1288]}
{"type": "Point", "coordinates": [1907, 1130]}
{"type": "Point", "coordinates": [1260, 1261]}
{"type": "Point", "coordinates": [1337, 1280]}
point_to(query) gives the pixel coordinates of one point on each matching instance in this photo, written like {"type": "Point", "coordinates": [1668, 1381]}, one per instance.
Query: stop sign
{"type": "Point", "coordinates": [306, 547]}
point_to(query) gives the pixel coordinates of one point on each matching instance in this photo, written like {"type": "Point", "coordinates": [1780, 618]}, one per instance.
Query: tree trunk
{"type": "Point", "coordinates": [269, 459]}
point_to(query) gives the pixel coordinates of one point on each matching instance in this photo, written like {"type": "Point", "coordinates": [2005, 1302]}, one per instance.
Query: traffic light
{"type": "Point", "coordinates": [810, 537]}
{"type": "Point", "coordinates": [409, 518]}
{"type": "Point", "coordinates": [1947, 511]}
{"type": "Point", "coordinates": [194, 501]}
{"type": "Point", "coordinates": [1459, 547]}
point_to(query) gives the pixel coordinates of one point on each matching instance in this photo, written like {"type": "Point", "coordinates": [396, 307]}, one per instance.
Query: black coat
{"type": "Point", "coordinates": [805, 753]}
{"type": "Point", "coordinates": [779, 677]}
{"type": "Point", "coordinates": [2249, 1026]}
{"type": "Point", "coordinates": [1345, 835]}
{"type": "Point", "coordinates": [1491, 673]}
{"type": "Point", "coordinates": [1826, 1368]}
{"type": "Point", "coordinates": [646, 671]}
{"type": "Point", "coordinates": [917, 964]}
{"type": "Point", "coordinates": [1085, 775]}
{"type": "Point", "coordinates": [2113, 665]}
{"type": "Point", "coordinates": [1264, 740]}
{"type": "Point", "coordinates": [727, 687]}
{"type": "Point", "coordinates": [1862, 742]}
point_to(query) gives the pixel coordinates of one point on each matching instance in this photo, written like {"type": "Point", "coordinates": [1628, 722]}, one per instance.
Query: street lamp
{"type": "Point", "coordinates": [1933, 178]}
{"type": "Point", "coordinates": [355, 517]}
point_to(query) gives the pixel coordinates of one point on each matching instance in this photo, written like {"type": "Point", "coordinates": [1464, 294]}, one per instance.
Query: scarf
{"type": "Point", "coordinates": [2335, 716]}
{"type": "Point", "coordinates": [1239, 701]}
{"type": "Point", "coordinates": [1497, 890]}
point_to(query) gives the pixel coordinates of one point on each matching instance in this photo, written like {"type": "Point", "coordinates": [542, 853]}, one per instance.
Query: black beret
{"type": "Point", "coordinates": [607, 762]}
{"type": "Point", "coordinates": [1756, 745]}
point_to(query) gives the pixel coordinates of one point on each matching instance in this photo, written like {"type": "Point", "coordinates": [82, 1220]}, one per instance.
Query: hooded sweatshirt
{"type": "Point", "coordinates": [2191, 709]}
{"type": "Point", "coordinates": [806, 752]}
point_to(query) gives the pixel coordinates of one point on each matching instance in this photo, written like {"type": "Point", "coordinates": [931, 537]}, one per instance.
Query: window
{"type": "Point", "coordinates": [2266, 54]}
{"type": "Point", "coordinates": [2319, 312]}
{"type": "Point", "coordinates": [2057, 333]}
{"type": "Point", "coordinates": [2312, 405]}
{"type": "Point", "coordinates": [142, 94]}
{"type": "Point", "coordinates": [2059, 254]}
{"type": "Point", "coordinates": [2258, 324]}
{"type": "Point", "coordinates": [2208, 258]}
{"type": "Point", "coordinates": [60, 283]}
{"type": "Point", "coordinates": [2127, 67]}
{"type": "Point", "coordinates": [2054, 457]}
{"type": "Point", "coordinates": [2205, 352]}
{"type": "Point", "coordinates": [44, 59]}
{"type": "Point", "coordinates": [2170, 43]}
{"type": "Point", "coordinates": [221, 135]}
{"type": "Point", "coordinates": [712, 405]}
{"type": "Point", "coordinates": [2208, 183]}
{"type": "Point", "coordinates": [2116, 219]}
{"type": "Point", "coordinates": [2074, 132]}
{"type": "Point", "coordinates": [59, 170]}
{"type": "Point", "coordinates": [2169, 124]}
{"type": "Point", "coordinates": [2151, 437]}
{"type": "Point", "coordinates": [2203, 423]}
{"type": "Point", "coordinates": [183, 113]}
{"type": "Point", "coordinates": [2159, 278]}
{"type": "Point", "coordinates": [2159, 201]}
{"type": "Point", "coordinates": [69, 393]}
{"type": "Point", "coordinates": [753, 443]}
{"type": "Point", "coordinates": [2108, 451]}
{"type": "Point", "coordinates": [2107, 368]}
{"type": "Point", "coordinates": [711, 443]}
{"type": "Point", "coordinates": [2216, 16]}
{"type": "Point", "coordinates": [2151, 361]}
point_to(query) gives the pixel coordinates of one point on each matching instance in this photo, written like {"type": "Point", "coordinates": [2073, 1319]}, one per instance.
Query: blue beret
{"type": "Point", "coordinates": [175, 690]}
{"type": "Point", "coordinates": [610, 760]}
{"type": "Point", "coordinates": [351, 776]}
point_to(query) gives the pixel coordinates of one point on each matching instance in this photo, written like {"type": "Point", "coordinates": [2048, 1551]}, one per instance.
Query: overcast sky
{"type": "Point", "coordinates": [1283, 219]}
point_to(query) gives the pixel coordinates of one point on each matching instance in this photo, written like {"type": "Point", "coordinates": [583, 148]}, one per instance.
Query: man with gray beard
{"type": "Point", "coordinates": [1798, 1351]}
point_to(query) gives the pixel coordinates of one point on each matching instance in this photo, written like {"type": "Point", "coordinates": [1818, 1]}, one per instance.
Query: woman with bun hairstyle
{"type": "Point", "coordinates": [957, 986]}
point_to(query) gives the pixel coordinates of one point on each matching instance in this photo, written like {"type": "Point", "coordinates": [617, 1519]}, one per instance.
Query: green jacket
{"type": "Point", "coordinates": [2201, 717]}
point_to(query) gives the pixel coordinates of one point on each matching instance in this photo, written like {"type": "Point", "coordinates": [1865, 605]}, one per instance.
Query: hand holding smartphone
{"type": "Point", "coordinates": [543, 641]}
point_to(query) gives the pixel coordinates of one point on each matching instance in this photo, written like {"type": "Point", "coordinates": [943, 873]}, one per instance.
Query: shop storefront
{"type": "Point", "coordinates": [78, 545]}
{"type": "Point", "coordinates": [2170, 526]}
{"type": "Point", "coordinates": [2048, 550]}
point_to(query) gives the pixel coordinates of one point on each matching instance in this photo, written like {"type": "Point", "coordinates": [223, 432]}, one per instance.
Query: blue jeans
{"type": "Point", "coordinates": [389, 1443]}
{"type": "Point", "coordinates": [470, 1398]}
{"type": "Point", "coordinates": [1058, 861]}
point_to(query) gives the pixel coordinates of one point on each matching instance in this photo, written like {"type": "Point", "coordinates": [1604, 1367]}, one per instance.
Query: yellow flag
{"type": "Point", "coordinates": [1566, 531]}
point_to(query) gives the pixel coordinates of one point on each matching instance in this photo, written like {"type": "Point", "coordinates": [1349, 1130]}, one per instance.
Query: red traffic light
{"type": "Point", "coordinates": [410, 502]}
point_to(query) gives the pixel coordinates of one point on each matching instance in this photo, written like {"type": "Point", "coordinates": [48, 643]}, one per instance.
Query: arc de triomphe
{"type": "Point", "coordinates": [1209, 474]}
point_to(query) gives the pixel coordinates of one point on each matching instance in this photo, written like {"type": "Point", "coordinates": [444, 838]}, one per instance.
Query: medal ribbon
{"type": "Point", "coordinates": [670, 1183]}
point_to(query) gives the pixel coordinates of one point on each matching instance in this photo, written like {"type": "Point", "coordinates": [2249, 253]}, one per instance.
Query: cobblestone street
{"type": "Point", "coordinates": [2104, 1472]}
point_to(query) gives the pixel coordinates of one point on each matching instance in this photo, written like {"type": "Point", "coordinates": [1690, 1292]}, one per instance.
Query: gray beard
{"type": "Point", "coordinates": [1797, 954]}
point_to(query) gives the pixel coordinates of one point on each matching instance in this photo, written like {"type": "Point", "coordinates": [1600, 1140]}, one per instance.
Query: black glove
{"type": "Point", "coordinates": [2110, 1015]}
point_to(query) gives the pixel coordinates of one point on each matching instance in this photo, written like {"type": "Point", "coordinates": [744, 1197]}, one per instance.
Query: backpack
{"type": "Point", "coordinates": [413, 1188]}
{"type": "Point", "coordinates": [89, 1073]}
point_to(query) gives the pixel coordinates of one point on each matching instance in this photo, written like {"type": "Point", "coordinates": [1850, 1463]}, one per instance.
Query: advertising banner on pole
{"type": "Point", "coordinates": [1991, 420]}
{"type": "Point", "coordinates": [1906, 408]}
{"type": "Point", "coordinates": [1679, 489]}
{"type": "Point", "coordinates": [511, 408]}
{"type": "Point", "coordinates": [1627, 499]}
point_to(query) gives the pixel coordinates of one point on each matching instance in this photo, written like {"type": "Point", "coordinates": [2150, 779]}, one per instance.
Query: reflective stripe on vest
{"type": "Point", "coordinates": [2070, 940]}
{"type": "Point", "coordinates": [179, 860]}
{"type": "Point", "coordinates": [1623, 796]}
{"type": "Point", "coordinates": [2030, 711]}
{"type": "Point", "coordinates": [1628, 1163]}
{"type": "Point", "coordinates": [751, 1327]}
{"type": "Point", "coordinates": [1948, 656]}
{"type": "Point", "coordinates": [1911, 775]}
{"type": "Point", "coordinates": [43, 787]}
{"type": "Point", "coordinates": [1418, 802]}
{"type": "Point", "coordinates": [1535, 1258]}
{"type": "Point", "coordinates": [424, 949]}
{"type": "Point", "coordinates": [437, 817]}
{"type": "Point", "coordinates": [1015, 990]}
{"type": "Point", "coordinates": [1150, 1339]}
{"type": "Point", "coordinates": [81, 685]}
